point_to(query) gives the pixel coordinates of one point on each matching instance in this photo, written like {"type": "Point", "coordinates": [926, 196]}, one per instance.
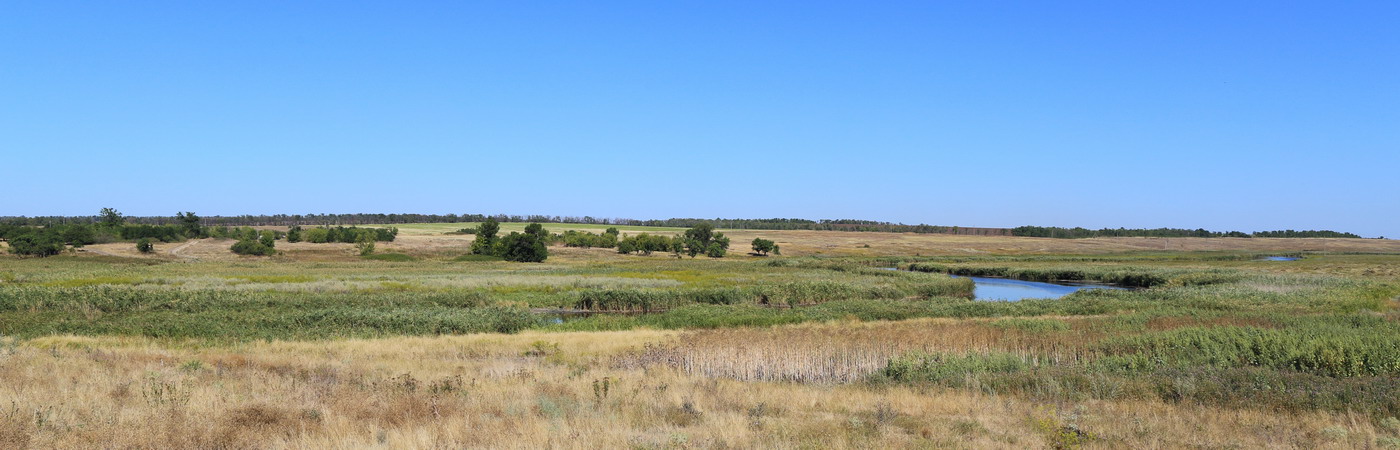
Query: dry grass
{"type": "Point", "coordinates": [508, 391]}
{"type": "Point", "coordinates": [840, 352]}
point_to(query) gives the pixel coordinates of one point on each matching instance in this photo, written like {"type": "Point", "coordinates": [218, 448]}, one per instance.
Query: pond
{"type": "Point", "coordinates": [1280, 258]}
{"type": "Point", "coordinates": [1006, 289]}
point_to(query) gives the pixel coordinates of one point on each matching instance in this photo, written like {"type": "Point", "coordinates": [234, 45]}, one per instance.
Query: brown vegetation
{"type": "Point", "coordinates": [541, 390]}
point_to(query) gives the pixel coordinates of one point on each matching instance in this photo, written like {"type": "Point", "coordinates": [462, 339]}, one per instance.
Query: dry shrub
{"type": "Point", "coordinates": [14, 432]}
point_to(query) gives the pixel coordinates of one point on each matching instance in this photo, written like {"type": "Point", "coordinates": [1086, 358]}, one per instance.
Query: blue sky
{"type": "Point", "coordinates": [1223, 115]}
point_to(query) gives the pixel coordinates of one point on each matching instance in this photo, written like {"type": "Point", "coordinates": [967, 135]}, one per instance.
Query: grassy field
{"type": "Point", "coordinates": [318, 347]}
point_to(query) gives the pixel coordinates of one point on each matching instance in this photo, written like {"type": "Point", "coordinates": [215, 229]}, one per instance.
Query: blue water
{"type": "Point", "coordinates": [1005, 289]}
{"type": "Point", "coordinates": [1281, 258]}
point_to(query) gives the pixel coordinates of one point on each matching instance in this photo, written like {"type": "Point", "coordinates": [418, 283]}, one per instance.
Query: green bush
{"type": "Point", "coordinates": [144, 246]}
{"type": "Point", "coordinates": [1320, 349]}
{"type": "Point", "coordinates": [252, 248]}
{"type": "Point", "coordinates": [39, 244]}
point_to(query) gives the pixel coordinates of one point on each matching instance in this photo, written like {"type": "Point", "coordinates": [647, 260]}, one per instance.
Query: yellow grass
{"type": "Point", "coordinates": [539, 390]}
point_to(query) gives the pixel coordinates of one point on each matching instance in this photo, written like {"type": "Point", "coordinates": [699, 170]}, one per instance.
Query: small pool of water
{"type": "Point", "coordinates": [1280, 258]}
{"type": "Point", "coordinates": [1009, 290]}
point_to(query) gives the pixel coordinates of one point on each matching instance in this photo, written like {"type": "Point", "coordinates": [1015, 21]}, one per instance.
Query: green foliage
{"type": "Point", "coordinates": [348, 235]}
{"type": "Point", "coordinates": [39, 244]}
{"type": "Point", "coordinates": [111, 218]}
{"type": "Point", "coordinates": [646, 244]}
{"type": "Point", "coordinates": [247, 315]}
{"type": "Point", "coordinates": [365, 247]}
{"type": "Point", "coordinates": [144, 246]}
{"type": "Point", "coordinates": [486, 239]}
{"type": "Point", "coordinates": [584, 239]}
{"type": "Point", "coordinates": [317, 235]}
{"type": "Point", "coordinates": [294, 234]}
{"type": "Point", "coordinates": [702, 238]}
{"type": "Point", "coordinates": [951, 369]}
{"type": "Point", "coordinates": [1318, 348]}
{"type": "Point", "coordinates": [523, 247]}
{"type": "Point", "coordinates": [252, 247]}
{"type": "Point", "coordinates": [763, 246]}
{"type": "Point", "coordinates": [538, 231]}
{"type": "Point", "coordinates": [190, 224]}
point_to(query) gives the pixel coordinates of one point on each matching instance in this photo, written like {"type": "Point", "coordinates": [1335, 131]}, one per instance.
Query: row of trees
{"type": "Point", "coordinates": [699, 239]}
{"type": "Point", "coordinates": [584, 239]}
{"type": "Point", "coordinates": [349, 235]}
{"type": "Point", "coordinates": [1078, 233]}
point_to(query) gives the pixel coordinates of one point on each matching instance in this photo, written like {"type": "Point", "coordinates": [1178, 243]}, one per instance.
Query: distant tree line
{"type": "Point", "coordinates": [741, 224]}
{"type": "Point", "coordinates": [1078, 233]}
{"type": "Point", "coordinates": [363, 219]}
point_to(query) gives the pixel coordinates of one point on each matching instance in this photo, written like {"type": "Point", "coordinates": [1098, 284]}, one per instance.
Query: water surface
{"type": "Point", "coordinates": [1006, 289]}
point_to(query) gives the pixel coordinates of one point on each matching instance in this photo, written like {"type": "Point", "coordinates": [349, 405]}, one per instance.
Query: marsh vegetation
{"type": "Point", "coordinates": [409, 347]}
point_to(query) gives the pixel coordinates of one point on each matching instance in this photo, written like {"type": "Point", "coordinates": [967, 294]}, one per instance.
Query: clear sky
{"type": "Point", "coordinates": [1223, 115]}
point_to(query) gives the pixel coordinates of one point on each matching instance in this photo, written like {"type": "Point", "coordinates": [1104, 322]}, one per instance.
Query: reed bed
{"type": "Point", "coordinates": [847, 352]}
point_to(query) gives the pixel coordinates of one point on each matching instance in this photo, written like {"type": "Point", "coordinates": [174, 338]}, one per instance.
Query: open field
{"type": "Point", "coordinates": [192, 346]}
{"type": "Point", "coordinates": [429, 240]}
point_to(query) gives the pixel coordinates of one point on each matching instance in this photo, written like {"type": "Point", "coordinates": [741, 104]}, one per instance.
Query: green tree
{"type": "Point", "coordinates": [252, 247]}
{"type": "Point", "coordinates": [189, 224]}
{"type": "Point", "coordinates": [39, 244]}
{"type": "Point", "coordinates": [538, 231]}
{"type": "Point", "coordinates": [702, 238]}
{"type": "Point", "coordinates": [111, 218]}
{"type": "Point", "coordinates": [79, 235]}
{"type": "Point", "coordinates": [485, 243]}
{"type": "Point", "coordinates": [267, 238]}
{"type": "Point", "coordinates": [523, 247]}
{"type": "Point", "coordinates": [366, 246]}
{"type": "Point", "coordinates": [763, 246]}
{"type": "Point", "coordinates": [294, 233]}
{"type": "Point", "coordinates": [144, 246]}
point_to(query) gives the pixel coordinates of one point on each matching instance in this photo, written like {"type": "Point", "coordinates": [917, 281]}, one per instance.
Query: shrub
{"type": "Point", "coordinates": [144, 246]}
{"type": "Point", "coordinates": [485, 243]}
{"type": "Point", "coordinates": [523, 247]}
{"type": "Point", "coordinates": [252, 248]}
{"type": "Point", "coordinates": [39, 244]}
{"type": "Point", "coordinates": [764, 246]}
